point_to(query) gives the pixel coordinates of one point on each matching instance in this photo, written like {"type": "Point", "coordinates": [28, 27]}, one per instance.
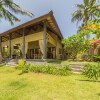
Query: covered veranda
{"type": "Point", "coordinates": [36, 39]}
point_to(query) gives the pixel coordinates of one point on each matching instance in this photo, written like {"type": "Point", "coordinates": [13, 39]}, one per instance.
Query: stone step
{"type": "Point", "coordinates": [77, 64]}
{"type": "Point", "coordinates": [32, 62]}
{"type": "Point", "coordinates": [10, 64]}
{"type": "Point", "coordinates": [76, 67]}
{"type": "Point", "coordinates": [76, 70]}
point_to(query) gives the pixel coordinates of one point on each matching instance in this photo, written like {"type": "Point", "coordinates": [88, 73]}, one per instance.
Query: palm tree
{"type": "Point", "coordinates": [8, 8]}
{"type": "Point", "coordinates": [89, 10]}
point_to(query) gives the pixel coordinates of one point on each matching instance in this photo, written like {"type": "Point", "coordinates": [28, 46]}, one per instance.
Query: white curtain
{"type": "Point", "coordinates": [26, 47]}
{"type": "Point", "coordinates": [41, 45]}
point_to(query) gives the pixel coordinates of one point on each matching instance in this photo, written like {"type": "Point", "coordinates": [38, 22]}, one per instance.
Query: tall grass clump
{"type": "Point", "coordinates": [47, 68]}
{"type": "Point", "coordinates": [92, 71]}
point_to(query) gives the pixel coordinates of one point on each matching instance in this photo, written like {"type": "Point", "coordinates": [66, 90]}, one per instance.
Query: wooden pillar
{"type": "Point", "coordinates": [45, 42]}
{"type": "Point", "coordinates": [23, 45]}
{"type": "Point", "coordinates": [10, 52]}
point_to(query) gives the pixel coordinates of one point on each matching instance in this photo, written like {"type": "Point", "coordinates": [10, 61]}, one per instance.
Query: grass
{"type": "Point", "coordinates": [69, 62]}
{"type": "Point", "coordinates": [76, 62]}
{"type": "Point", "coordinates": [34, 86]}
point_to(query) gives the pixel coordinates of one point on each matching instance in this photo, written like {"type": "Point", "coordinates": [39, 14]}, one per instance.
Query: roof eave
{"type": "Point", "coordinates": [39, 19]}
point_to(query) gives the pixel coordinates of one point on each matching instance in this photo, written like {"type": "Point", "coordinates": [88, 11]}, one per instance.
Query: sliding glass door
{"type": "Point", "coordinates": [35, 53]}
{"type": "Point", "coordinates": [51, 53]}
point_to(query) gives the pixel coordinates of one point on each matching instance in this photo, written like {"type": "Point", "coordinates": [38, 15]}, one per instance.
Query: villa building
{"type": "Point", "coordinates": [39, 38]}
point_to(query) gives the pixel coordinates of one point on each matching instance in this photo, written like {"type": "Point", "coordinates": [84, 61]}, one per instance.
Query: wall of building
{"type": "Point", "coordinates": [28, 38]}
{"type": "Point", "coordinates": [33, 44]}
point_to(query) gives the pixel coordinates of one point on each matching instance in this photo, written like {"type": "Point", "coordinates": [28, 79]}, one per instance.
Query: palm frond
{"type": "Point", "coordinates": [77, 16]}
{"type": "Point", "coordinates": [8, 15]}
{"type": "Point", "coordinates": [8, 8]}
{"type": "Point", "coordinates": [95, 10]}
{"type": "Point", "coordinates": [92, 2]}
{"type": "Point", "coordinates": [80, 6]}
{"type": "Point", "coordinates": [15, 8]}
{"type": "Point", "coordinates": [86, 2]}
{"type": "Point", "coordinates": [86, 11]}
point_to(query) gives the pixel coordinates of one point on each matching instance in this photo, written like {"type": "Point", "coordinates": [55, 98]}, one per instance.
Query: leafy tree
{"type": "Point", "coordinates": [8, 8]}
{"type": "Point", "coordinates": [92, 27]}
{"type": "Point", "coordinates": [75, 44]}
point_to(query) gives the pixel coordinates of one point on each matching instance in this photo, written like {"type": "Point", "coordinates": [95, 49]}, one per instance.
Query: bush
{"type": "Point", "coordinates": [96, 58]}
{"type": "Point", "coordinates": [86, 57]}
{"type": "Point", "coordinates": [92, 71]}
{"type": "Point", "coordinates": [21, 62]}
{"type": "Point", "coordinates": [22, 65]}
{"type": "Point", "coordinates": [25, 68]}
{"type": "Point", "coordinates": [50, 69]}
{"type": "Point", "coordinates": [65, 70]}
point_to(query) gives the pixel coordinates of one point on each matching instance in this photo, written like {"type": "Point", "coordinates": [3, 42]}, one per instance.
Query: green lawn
{"type": "Point", "coordinates": [34, 86]}
{"type": "Point", "coordinates": [77, 62]}
{"type": "Point", "coordinates": [70, 62]}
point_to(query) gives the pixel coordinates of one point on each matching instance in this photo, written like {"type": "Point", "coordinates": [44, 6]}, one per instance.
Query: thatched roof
{"type": "Point", "coordinates": [49, 18]}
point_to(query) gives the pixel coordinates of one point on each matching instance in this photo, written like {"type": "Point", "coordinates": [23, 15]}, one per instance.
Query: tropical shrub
{"type": "Point", "coordinates": [49, 69]}
{"type": "Point", "coordinates": [21, 65]}
{"type": "Point", "coordinates": [87, 57]}
{"type": "Point", "coordinates": [25, 68]}
{"type": "Point", "coordinates": [96, 58]}
{"type": "Point", "coordinates": [21, 62]}
{"type": "Point", "coordinates": [36, 68]}
{"type": "Point", "coordinates": [91, 71]}
{"type": "Point", "coordinates": [65, 70]}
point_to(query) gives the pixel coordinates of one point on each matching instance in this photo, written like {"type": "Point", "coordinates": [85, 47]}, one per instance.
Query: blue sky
{"type": "Point", "coordinates": [62, 11]}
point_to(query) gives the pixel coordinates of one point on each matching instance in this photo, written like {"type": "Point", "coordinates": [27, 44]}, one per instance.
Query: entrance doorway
{"type": "Point", "coordinates": [34, 53]}
{"type": "Point", "coordinates": [51, 53]}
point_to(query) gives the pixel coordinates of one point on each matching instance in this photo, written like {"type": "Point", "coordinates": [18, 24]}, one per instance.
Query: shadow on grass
{"type": "Point", "coordinates": [98, 94]}
{"type": "Point", "coordinates": [88, 80]}
{"type": "Point", "coordinates": [18, 84]}
{"type": "Point", "coordinates": [1, 65]}
{"type": "Point", "coordinates": [54, 61]}
{"type": "Point", "coordinates": [21, 73]}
